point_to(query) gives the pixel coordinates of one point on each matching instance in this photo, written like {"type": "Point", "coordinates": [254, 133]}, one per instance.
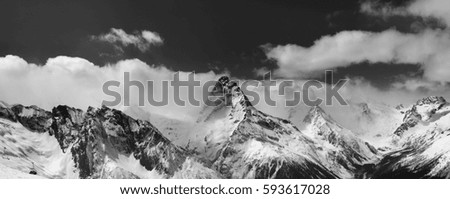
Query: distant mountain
{"type": "Point", "coordinates": [370, 121]}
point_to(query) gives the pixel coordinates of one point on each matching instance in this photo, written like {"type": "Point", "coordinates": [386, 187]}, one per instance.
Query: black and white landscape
{"type": "Point", "coordinates": [76, 99]}
{"type": "Point", "coordinates": [235, 141]}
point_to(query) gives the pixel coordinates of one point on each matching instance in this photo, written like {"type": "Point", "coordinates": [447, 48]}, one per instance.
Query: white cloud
{"type": "Point", "coordinates": [430, 49]}
{"type": "Point", "coordinates": [151, 37]}
{"type": "Point", "coordinates": [439, 9]}
{"type": "Point", "coordinates": [376, 8]}
{"type": "Point", "coordinates": [142, 40]}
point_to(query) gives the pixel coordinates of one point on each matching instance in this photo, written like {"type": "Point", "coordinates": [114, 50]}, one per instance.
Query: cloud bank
{"type": "Point", "coordinates": [430, 48]}
{"type": "Point", "coordinates": [77, 82]}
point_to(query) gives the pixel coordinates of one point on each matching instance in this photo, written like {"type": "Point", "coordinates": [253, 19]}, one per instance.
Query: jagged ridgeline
{"type": "Point", "coordinates": [99, 136]}
{"type": "Point", "coordinates": [228, 140]}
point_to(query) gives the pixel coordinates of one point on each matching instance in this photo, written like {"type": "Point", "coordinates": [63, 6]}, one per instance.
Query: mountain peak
{"type": "Point", "coordinates": [317, 113]}
{"type": "Point", "coordinates": [224, 80]}
{"type": "Point", "coordinates": [230, 92]}
{"type": "Point", "coordinates": [347, 150]}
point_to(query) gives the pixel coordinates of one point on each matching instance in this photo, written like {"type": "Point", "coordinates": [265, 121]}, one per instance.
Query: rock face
{"type": "Point", "coordinates": [97, 138]}
{"type": "Point", "coordinates": [32, 117]}
{"type": "Point", "coordinates": [101, 131]}
{"type": "Point", "coordinates": [66, 125]}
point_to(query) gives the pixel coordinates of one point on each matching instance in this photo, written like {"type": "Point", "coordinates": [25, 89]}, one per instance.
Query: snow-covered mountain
{"type": "Point", "coordinates": [230, 139]}
{"type": "Point", "coordinates": [422, 143]}
{"type": "Point", "coordinates": [341, 150]}
{"type": "Point", "coordinates": [371, 121]}
{"type": "Point", "coordinates": [252, 144]}
{"type": "Point", "coordinates": [99, 143]}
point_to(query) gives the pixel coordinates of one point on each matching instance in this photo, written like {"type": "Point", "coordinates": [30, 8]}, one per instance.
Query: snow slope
{"type": "Point", "coordinates": [23, 151]}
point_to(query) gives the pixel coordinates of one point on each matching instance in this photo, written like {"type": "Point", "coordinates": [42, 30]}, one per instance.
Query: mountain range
{"type": "Point", "coordinates": [229, 140]}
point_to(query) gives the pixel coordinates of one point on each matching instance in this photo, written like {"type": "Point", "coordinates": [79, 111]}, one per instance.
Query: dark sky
{"type": "Point", "coordinates": [198, 34]}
